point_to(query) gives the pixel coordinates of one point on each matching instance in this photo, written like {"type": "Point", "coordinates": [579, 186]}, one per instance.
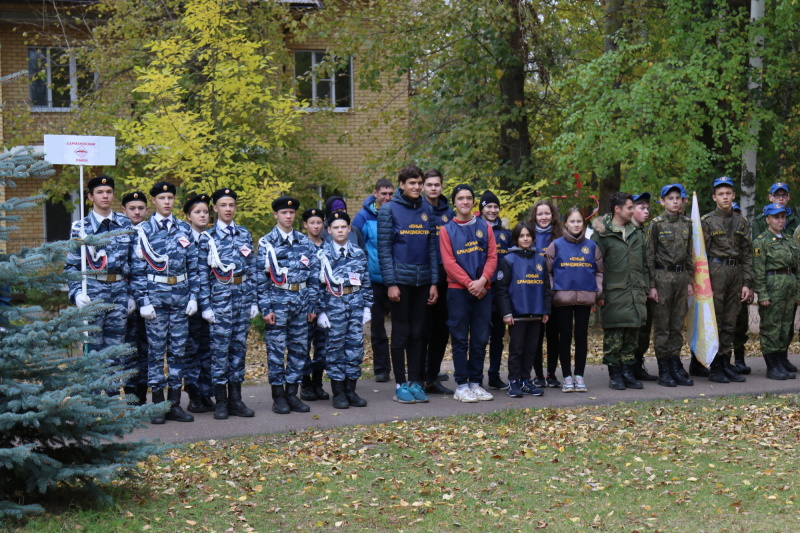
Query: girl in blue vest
{"type": "Point", "coordinates": [544, 220]}
{"type": "Point", "coordinates": [575, 264]}
{"type": "Point", "coordinates": [523, 294]}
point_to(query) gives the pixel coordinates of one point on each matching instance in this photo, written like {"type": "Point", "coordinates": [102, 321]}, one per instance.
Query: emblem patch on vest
{"type": "Point", "coordinates": [585, 250]}
{"type": "Point", "coordinates": [479, 234]}
{"type": "Point", "coordinates": [424, 216]}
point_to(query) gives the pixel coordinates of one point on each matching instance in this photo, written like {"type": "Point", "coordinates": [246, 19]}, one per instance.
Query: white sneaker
{"type": "Point", "coordinates": [480, 393]}
{"type": "Point", "coordinates": [580, 385]}
{"type": "Point", "coordinates": [569, 385]}
{"type": "Point", "coordinates": [464, 395]}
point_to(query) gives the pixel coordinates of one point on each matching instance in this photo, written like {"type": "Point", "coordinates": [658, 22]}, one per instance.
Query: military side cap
{"type": "Point", "coordinates": [162, 187]}
{"type": "Point", "coordinates": [338, 215]}
{"type": "Point", "coordinates": [643, 197]}
{"type": "Point", "coordinates": [100, 181]}
{"type": "Point", "coordinates": [736, 207]}
{"type": "Point", "coordinates": [778, 186]}
{"type": "Point", "coordinates": [194, 200]}
{"type": "Point", "coordinates": [313, 212]}
{"type": "Point", "coordinates": [724, 180]}
{"type": "Point", "coordinates": [221, 193]}
{"type": "Point", "coordinates": [666, 189]}
{"type": "Point", "coordinates": [774, 209]}
{"type": "Point", "coordinates": [285, 202]}
{"type": "Point", "coordinates": [135, 196]}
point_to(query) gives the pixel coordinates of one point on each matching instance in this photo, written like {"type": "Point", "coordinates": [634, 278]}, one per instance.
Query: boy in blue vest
{"type": "Point", "coordinates": [469, 255]}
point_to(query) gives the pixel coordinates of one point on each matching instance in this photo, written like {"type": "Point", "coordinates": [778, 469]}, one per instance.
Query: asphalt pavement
{"type": "Point", "coordinates": [382, 409]}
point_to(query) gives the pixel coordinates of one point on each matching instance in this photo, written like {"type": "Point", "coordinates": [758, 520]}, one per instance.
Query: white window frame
{"type": "Point", "coordinates": [73, 80]}
{"type": "Point", "coordinates": [315, 54]}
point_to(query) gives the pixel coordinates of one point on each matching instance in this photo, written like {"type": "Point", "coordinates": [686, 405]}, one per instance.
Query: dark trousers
{"type": "Point", "coordinates": [550, 330]}
{"type": "Point", "coordinates": [378, 338]}
{"type": "Point", "coordinates": [523, 336]}
{"type": "Point", "coordinates": [437, 335]}
{"type": "Point", "coordinates": [496, 339]}
{"type": "Point", "coordinates": [469, 320]}
{"type": "Point", "coordinates": [567, 317]}
{"type": "Point", "coordinates": [408, 329]}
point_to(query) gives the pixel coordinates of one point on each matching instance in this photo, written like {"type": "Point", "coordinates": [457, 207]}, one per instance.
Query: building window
{"type": "Point", "coordinates": [56, 79]}
{"type": "Point", "coordinates": [323, 85]}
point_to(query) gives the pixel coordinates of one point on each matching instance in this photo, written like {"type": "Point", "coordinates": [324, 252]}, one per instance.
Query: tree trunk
{"type": "Point", "coordinates": [750, 156]}
{"type": "Point", "coordinates": [612, 24]}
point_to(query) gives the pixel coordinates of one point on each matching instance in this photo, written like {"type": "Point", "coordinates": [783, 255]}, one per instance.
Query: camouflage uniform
{"type": "Point", "coordinates": [775, 272]}
{"type": "Point", "coordinates": [168, 286]}
{"type": "Point", "coordinates": [291, 296]}
{"type": "Point", "coordinates": [316, 338]}
{"type": "Point", "coordinates": [230, 295]}
{"type": "Point", "coordinates": [111, 286]}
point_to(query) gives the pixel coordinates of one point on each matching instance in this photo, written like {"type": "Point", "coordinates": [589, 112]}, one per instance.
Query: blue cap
{"type": "Point", "coordinates": [724, 180]}
{"type": "Point", "coordinates": [736, 207]}
{"type": "Point", "coordinates": [778, 186]}
{"type": "Point", "coordinates": [673, 186]}
{"type": "Point", "coordinates": [645, 197]}
{"type": "Point", "coordinates": [774, 209]}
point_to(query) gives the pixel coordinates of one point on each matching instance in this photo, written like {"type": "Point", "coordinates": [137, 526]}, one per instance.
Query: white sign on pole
{"type": "Point", "coordinates": [80, 150]}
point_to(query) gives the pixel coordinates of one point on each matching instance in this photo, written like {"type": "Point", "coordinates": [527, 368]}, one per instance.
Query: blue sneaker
{"type": "Point", "coordinates": [529, 388]}
{"type": "Point", "coordinates": [403, 394]}
{"type": "Point", "coordinates": [514, 389]}
{"type": "Point", "coordinates": [418, 393]}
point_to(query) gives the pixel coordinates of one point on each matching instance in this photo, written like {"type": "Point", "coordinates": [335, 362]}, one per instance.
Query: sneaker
{"type": "Point", "coordinates": [514, 389]}
{"type": "Point", "coordinates": [569, 385]}
{"type": "Point", "coordinates": [418, 393]}
{"type": "Point", "coordinates": [580, 385]}
{"type": "Point", "coordinates": [465, 395]}
{"type": "Point", "coordinates": [530, 388]}
{"type": "Point", "coordinates": [552, 382]}
{"type": "Point", "coordinates": [539, 382]}
{"type": "Point", "coordinates": [495, 383]}
{"type": "Point", "coordinates": [480, 393]}
{"type": "Point", "coordinates": [403, 394]}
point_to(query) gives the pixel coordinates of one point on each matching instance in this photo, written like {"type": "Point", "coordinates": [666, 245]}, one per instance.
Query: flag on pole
{"type": "Point", "coordinates": [703, 336]}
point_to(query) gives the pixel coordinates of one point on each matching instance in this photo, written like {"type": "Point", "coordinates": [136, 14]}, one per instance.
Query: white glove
{"type": "Point", "coordinates": [191, 308]}
{"type": "Point", "coordinates": [323, 322]}
{"type": "Point", "coordinates": [367, 315]}
{"type": "Point", "coordinates": [148, 312]}
{"type": "Point", "coordinates": [82, 299]}
{"type": "Point", "coordinates": [254, 311]}
{"type": "Point", "coordinates": [209, 316]}
{"type": "Point", "coordinates": [131, 306]}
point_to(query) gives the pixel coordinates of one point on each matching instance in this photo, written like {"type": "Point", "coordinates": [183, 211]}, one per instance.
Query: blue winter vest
{"type": "Point", "coordinates": [526, 288]}
{"type": "Point", "coordinates": [574, 266]}
{"type": "Point", "coordinates": [542, 241]}
{"type": "Point", "coordinates": [470, 243]}
{"type": "Point", "coordinates": [412, 229]}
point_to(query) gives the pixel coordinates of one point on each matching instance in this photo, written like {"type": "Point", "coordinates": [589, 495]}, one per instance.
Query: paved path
{"type": "Point", "coordinates": [382, 409]}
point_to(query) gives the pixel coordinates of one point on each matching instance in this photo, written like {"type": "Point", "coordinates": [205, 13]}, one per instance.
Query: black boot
{"type": "Point", "coordinates": [209, 403]}
{"type": "Point", "coordinates": [781, 359]}
{"type": "Point", "coordinates": [615, 378]}
{"type": "Point", "coordinates": [339, 395]}
{"type": "Point", "coordinates": [307, 393]}
{"type": "Point", "coordinates": [716, 373]}
{"type": "Point", "coordinates": [294, 402]}
{"type": "Point", "coordinates": [630, 381]}
{"type": "Point", "coordinates": [350, 391]}
{"type": "Point", "coordinates": [739, 365]}
{"type": "Point", "coordinates": [158, 397]}
{"type": "Point", "coordinates": [639, 371]}
{"type": "Point", "coordinates": [316, 382]}
{"type": "Point", "coordinates": [665, 378]}
{"type": "Point", "coordinates": [236, 406]}
{"type": "Point", "coordinates": [130, 395]}
{"type": "Point", "coordinates": [195, 405]}
{"type": "Point", "coordinates": [279, 404]}
{"type": "Point", "coordinates": [141, 394]}
{"type": "Point", "coordinates": [730, 373]}
{"type": "Point", "coordinates": [679, 373]}
{"type": "Point", "coordinates": [785, 363]}
{"type": "Point", "coordinates": [175, 412]}
{"type": "Point", "coordinates": [697, 369]}
{"type": "Point", "coordinates": [221, 407]}
{"type": "Point", "coordinates": [774, 368]}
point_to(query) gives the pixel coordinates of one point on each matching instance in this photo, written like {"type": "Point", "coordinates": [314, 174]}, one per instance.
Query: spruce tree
{"type": "Point", "coordinates": [58, 429]}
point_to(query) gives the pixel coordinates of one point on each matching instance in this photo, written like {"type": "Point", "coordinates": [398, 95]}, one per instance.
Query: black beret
{"type": "Point", "coordinates": [459, 188]}
{"type": "Point", "coordinates": [338, 215]}
{"type": "Point", "coordinates": [313, 212]}
{"type": "Point", "coordinates": [194, 199]}
{"type": "Point", "coordinates": [489, 197]}
{"type": "Point", "coordinates": [135, 196]}
{"type": "Point", "coordinates": [162, 187]}
{"type": "Point", "coordinates": [99, 181]}
{"type": "Point", "coordinates": [285, 202]}
{"type": "Point", "coordinates": [222, 193]}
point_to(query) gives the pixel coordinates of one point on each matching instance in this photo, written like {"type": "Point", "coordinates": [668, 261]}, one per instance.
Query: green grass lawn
{"type": "Point", "coordinates": [725, 465]}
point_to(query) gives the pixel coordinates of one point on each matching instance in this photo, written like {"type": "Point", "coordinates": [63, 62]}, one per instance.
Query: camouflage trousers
{"type": "Point", "coordinates": [198, 356]}
{"type": "Point", "coordinates": [344, 348]}
{"type": "Point", "coordinates": [229, 334]}
{"type": "Point", "coordinates": [742, 325]}
{"type": "Point", "coordinates": [726, 282]}
{"type": "Point", "coordinates": [287, 339]}
{"type": "Point", "coordinates": [669, 314]}
{"type": "Point", "coordinates": [777, 320]}
{"type": "Point", "coordinates": [643, 337]}
{"type": "Point", "coordinates": [619, 345]}
{"type": "Point", "coordinates": [136, 362]}
{"type": "Point", "coordinates": [167, 333]}
{"type": "Point", "coordinates": [316, 338]}
{"type": "Point", "coordinates": [111, 322]}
